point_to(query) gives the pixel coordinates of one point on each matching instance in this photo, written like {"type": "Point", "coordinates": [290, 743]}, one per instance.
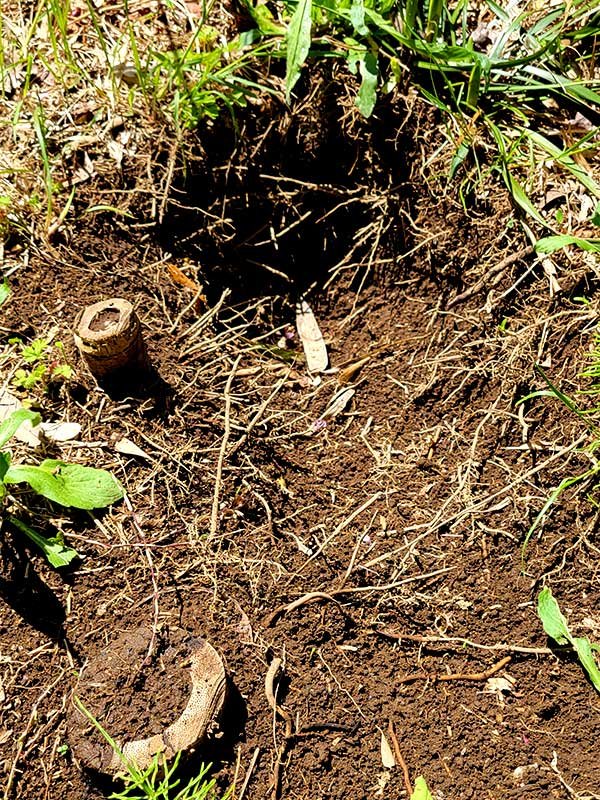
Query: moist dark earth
{"type": "Point", "coordinates": [406, 513]}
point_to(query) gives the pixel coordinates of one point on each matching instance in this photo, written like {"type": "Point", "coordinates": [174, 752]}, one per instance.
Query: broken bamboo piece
{"type": "Point", "coordinates": [109, 336]}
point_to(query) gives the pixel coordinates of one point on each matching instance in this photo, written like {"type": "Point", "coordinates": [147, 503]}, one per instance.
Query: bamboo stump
{"type": "Point", "coordinates": [118, 684]}
{"type": "Point", "coordinates": [109, 336]}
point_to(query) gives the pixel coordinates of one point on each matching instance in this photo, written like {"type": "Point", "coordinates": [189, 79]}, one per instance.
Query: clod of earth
{"type": "Point", "coordinates": [109, 336]}
{"type": "Point", "coordinates": [101, 688]}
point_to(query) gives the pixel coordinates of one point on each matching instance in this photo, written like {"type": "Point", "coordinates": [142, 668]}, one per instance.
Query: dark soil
{"type": "Point", "coordinates": [407, 511]}
{"type": "Point", "coordinates": [120, 685]}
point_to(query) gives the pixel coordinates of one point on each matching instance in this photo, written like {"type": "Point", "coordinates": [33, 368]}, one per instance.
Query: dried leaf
{"type": "Point", "coordinates": [59, 431]}
{"type": "Point", "coordinates": [500, 686]}
{"type": "Point", "coordinates": [387, 754]}
{"type": "Point", "coordinates": [311, 337]}
{"type": "Point", "coordinates": [338, 403]}
{"type": "Point", "coordinates": [127, 448]}
{"type": "Point", "coordinates": [28, 433]}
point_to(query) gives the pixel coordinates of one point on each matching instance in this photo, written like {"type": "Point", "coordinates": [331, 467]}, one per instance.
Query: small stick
{"type": "Point", "coordinates": [214, 515]}
{"type": "Point", "coordinates": [458, 640]}
{"type": "Point", "coordinates": [495, 270]}
{"type": "Point", "coordinates": [311, 597]}
{"type": "Point", "coordinates": [256, 418]}
{"type": "Point", "coordinates": [249, 772]}
{"type": "Point", "coordinates": [458, 676]}
{"type": "Point", "coordinates": [399, 758]}
{"type": "Point", "coordinates": [341, 526]}
{"type": "Point", "coordinates": [274, 668]}
{"type": "Point", "coordinates": [155, 590]}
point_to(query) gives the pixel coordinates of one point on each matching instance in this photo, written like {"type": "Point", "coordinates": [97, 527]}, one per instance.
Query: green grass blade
{"type": "Point", "coordinates": [298, 44]}
{"type": "Point", "coordinates": [4, 291]}
{"type": "Point", "coordinates": [565, 160]}
{"type": "Point", "coordinates": [550, 244]}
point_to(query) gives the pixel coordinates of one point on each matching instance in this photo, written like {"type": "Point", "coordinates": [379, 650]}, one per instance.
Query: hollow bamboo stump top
{"type": "Point", "coordinates": [108, 334]}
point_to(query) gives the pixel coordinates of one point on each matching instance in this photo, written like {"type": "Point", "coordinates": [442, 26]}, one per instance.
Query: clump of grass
{"type": "Point", "coordinates": [503, 83]}
{"type": "Point", "coordinates": [587, 418]}
{"type": "Point", "coordinates": [517, 85]}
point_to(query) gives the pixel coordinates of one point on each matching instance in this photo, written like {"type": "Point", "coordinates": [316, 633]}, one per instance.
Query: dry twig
{"type": "Point", "coordinates": [457, 676]}
{"type": "Point", "coordinates": [285, 715]}
{"type": "Point", "coordinates": [398, 636]}
{"type": "Point", "coordinates": [400, 758]}
{"type": "Point", "coordinates": [249, 772]}
{"type": "Point", "coordinates": [214, 516]}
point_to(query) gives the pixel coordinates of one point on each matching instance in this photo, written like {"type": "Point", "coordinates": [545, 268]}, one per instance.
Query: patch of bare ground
{"type": "Point", "coordinates": [377, 556]}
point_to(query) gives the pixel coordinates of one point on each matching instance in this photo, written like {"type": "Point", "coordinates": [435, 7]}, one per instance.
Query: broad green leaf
{"type": "Point", "coordinates": [550, 244]}
{"type": "Point", "coordinates": [68, 484]}
{"type": "Point", "coordinates": [367, 94]}
{"type": "Point", "coordinates": [57, 553]}
{"type": "Point", "coordinates": [4, 291]}
{"type": "Point", "coordinates": [583, 647]}
{"type": "Point", "coordinates": [595, 218]}
{"type": "Point", "coordinates": [264, 18]}
{"type": "Point", "coordinates": [11, 425]}
{"type": "Point", "coordinates": [421, 791]}
{"type": "Point", "coordinates": [298, 44]}
{"type": "Point", "coordinates": [357, 17]}
{"type": "Point", "coordinates": [552, 618]}
{"type": "Point", "coordinates": [557, 628]}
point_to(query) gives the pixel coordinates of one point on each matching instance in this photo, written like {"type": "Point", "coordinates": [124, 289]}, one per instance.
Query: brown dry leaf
{"type": "Point", "coordinates": [346, 374]}
{"type": "Point", "coordinates": [387, 754]}
{"type": "Point", "coordinates": [311, 337]}
{"type": "Point", "coordinates": [178, 276]}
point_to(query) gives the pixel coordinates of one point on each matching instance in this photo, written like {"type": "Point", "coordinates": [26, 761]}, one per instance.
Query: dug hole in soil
{"type": "Point", "coordinates": [398, 523]}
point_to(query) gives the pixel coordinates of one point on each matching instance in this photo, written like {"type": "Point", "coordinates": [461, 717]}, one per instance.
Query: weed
{"type": "Point", "coordinates": [421, 791]}
{"type": "Point", "coordinates": [557, 628]}
{"type": "Point", "coordinates": [70, 485]}
{"type": "Point", "coordinates": [45, 364]}
{"type": "Point", "coordinates": [568, 402]}
{"type": "Point", "coordinates": [158, 781]}
{"type": "Point", "coordinates": [509, 77]}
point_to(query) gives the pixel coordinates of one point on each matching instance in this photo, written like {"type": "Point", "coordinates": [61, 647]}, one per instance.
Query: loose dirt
{"type": "Point", "coordinates": [406, 513]}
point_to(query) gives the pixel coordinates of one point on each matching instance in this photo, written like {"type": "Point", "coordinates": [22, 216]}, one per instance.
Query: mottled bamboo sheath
{"type": "Point", "coordinates": [109, 336]}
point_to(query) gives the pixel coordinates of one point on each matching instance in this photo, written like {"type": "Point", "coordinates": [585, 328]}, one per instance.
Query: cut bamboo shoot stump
{"type": "Point", "coordinates": [109, 336]}
{"type": "Point", "coordinates": [142, 704]}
